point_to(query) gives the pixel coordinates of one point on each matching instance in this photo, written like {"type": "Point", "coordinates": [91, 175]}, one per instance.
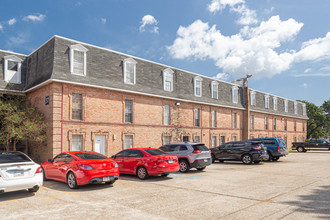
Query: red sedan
{"type": "Point", "coordinates": [146, 161]}
{"type": "Point", "coordinates": [80, 168]}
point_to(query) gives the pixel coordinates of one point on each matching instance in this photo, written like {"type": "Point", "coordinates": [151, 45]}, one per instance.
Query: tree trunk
{"type": "Point", "coordinates": [14, 145]}
{"type": "Point", "coordinates": [7, 145]}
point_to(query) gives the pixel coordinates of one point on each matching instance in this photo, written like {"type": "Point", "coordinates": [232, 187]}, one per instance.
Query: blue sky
{"type": "Point", "coordinates": [283, 44]}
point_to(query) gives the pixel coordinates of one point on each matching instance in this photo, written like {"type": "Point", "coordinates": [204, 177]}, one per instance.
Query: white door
{"type": "Point", "coordinates": [100, 144]}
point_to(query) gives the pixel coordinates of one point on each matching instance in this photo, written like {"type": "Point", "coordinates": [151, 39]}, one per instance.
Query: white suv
{"type": "Point", "coordinates": [18, 172]}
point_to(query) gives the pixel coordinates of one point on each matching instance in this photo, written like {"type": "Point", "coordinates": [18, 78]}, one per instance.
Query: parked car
{"type": "Point", "coordinates": [190, 155]}
{"type": "Point", "coordinates": [19, 172]}
{"type": "Point", "coordinates": [145, 162]}
{"type": "Point", "coordinates": [276, 147]}
{"type": "Point", "coordinates": [245, 151]}
{"type": "Point", "coordinates": [312, 144]}
{"type": "Point", "coordinates": [81, 168]}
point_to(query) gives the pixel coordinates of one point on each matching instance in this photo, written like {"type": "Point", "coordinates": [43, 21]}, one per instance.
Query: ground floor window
{"type": "Point", "coordinates": [196, 139]}
{"type": "Point", "coordinates": [77, 143]}
{"type": "Point", "coordinates": [128, 141]}
{"type": "Point", "coordinates": [214, 141]}
{"type": "Point", "coordinates": [252, 136]}
{"type": "Point", "coordinates": [185, 138]}
{"type": "Point", "coordinates": [222, 140]}
{"type": "Point", "coordinates": [167, 139]}
{"type": "Point", "coordinates": [234, 138]}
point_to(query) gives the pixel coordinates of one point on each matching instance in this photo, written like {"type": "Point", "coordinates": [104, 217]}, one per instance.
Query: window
{"type": "Point", "coordinates": [78, 59]}
{"type": "Point", "coordinates": [234, 138]}
{"type": "Point", "coordinates": [185, 138]}
{"type": "Point", "coordinates": [12, 68]}
{"type": "Point", "coordinates": [77, 106]}
{"type": "Point", "coordinates": [198, 86]}
{"type": "Point", "coordinates": [222, 140]}
{"type": "Point", "coordinates": [285, 125]}
{"type": "Point", "coordinates": [168, 79]}
{"type": "Point", "coordinates": [274, 124]}
{"type": "Point", "coordinates": [129, 71]}
{"type": "Point", "coordinates": [295, 126]}
{"type": "Point", "coordinates": [295, 107]}
{"type": "Point", "coordinates": [266, 123]}
{"type": "Point", "coordinates": [304, 109]}
{"type": "Point", "coordinates": [197, 117]}
{"type": "Point", "coordinates": [167, 119]}
{"type": "Point", "coordinates": [234, 94]}
{"type": "Point", "coordinates": [167, 139]}
{"type": "Point", "coordinates": [128, 111]}
{"type": "Point", "coordinates": [286, 105]}
{"type": "Point", "coordinates": [266, 101]}
{"type": "Point", "coordinates": [128, 141]}
{"type": "Point", "coordinates": [196, 139]}
{"type": "Point", "coordinates": [234, 120]}
{"type": "Point", "coordinates": [251, 137]}
{"type": "Point", "coordinates": [295, 139]}
{"type": "Point", "coordinates": [253, 98]}
{"type": "Point", "coordinates": [303, 126]}
{"type": "Point", "coordinates": [214, 141]}
{"type": "Point", "coordinates": [214, 90]}
{"type": "Point", "coordinates": [252, 121]}
{"type": "Point", "coordinates": [134, 153]}
{"type": "Point", "coordinates": [275, 103]}
{"type": "Point", "coordinates": [214, 118]}
{"type": "Point", "coordinates": [77, 143]}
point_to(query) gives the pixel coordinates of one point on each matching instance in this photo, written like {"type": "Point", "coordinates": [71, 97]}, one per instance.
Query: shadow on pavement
{"type": "Point", "coordinates": [59, 186]}
{"type": "Point", "coordinates": [15, 195]}
{"type": "Point", "coordinates": [317, 202]}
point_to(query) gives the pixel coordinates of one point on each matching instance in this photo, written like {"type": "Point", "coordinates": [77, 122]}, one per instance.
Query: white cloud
{"type": "Point", "coordinates": [20, 39]}
{"type": "Point", "coordinates": [12, 21]}
{"type": "Point", "coordinates": [250, 51]}
{"type": "Point", "coordinates": [304, 85]}
{"type": "Point", "coordinates": [37, 17]}
{"type": "Point", "coordinates": [1, 27]}
{"type": "Point", "coordinates": [103, 20]}
{"type": "Point", "coordinates": [151, 22]}
{"type": "Point", "coordinates": [247, 16]}
{"type": "Point", "coordinates": [312, 75]}
{"type": "Point", "coordinates": [307, 70]}
{"type": "Point", "coordinates": [222, 76]}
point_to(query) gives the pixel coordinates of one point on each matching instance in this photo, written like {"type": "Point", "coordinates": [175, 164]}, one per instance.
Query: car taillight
{"type": "Point", "coordinates": [278, 148]}
{"type": "Point", "coordinates": [257, 148]}
{"type": "Point", "coordinates": [197, 151]}
{"type": "Point", "coordinates": [39, 170]}
{"type": "Point", "coordinates": [161, 160]}
{"type": "Point", "coordinates": [86, 167]}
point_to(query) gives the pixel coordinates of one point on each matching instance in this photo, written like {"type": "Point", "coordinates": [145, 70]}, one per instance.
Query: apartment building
{"type": "Point", "coordinates": [97, 99]}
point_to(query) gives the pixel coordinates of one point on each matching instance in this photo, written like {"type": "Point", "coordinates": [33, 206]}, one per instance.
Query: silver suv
{"type": "Point", "coordinates": [190, 155]}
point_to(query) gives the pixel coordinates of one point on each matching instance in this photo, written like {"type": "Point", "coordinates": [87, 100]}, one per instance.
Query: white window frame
{"type": "Point", "coordinates": [130, 61]}
{"type": "Point", "coordinates": [304, 109]}
{"type": "Point", "coordinates": [81, 139]}
{"type": "Point", "coordinates": [214, 141]}
{"type": "Point", "coordinates": [18, 72]}
{"type": "Point", "coordinates": [275, 103]}
{"type": "Point", "coordinates": [266, 123]}
{"type": "Point", "coordinates": [196, 79]}
{"type": "Point", "coordinates": [234, 120]}
{"type": "Point", "coordinates": [214, 118]}
{"type": "Point", "coordinates": [286, 102]}
{"type": "Point", "coordinates": [266, 101]}
{"type": "Point", "coordinates": [234, 91]}
{"type": "Point", "coordinates": [251, 121]}
{"type": "Point", "coordinates": [214, 90]}
{"type": "Point", "coordinates": [167, 115]}
{"type": "Point", "coordinates": [80, 48]}
{"type": "Point", "coordinates": [252, 98]}
{"type": "Point", "coordinates": [168, 74]}
{"type": "Point", "coordinates": [295, 107]}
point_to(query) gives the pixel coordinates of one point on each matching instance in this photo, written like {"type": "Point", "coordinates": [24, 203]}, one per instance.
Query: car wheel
{"type": "Point", "coordinates": [142, 173]}
{"type": "Point", "coordinates": [71, 180]}
{"type": "Point", "coordinates": [213, 158]}
{"type": "Point", "coordinates": [276, 158]}
{"type": "Point", "coordinates": [269, 156]}
{"type": "Point", "coordinates": [200, 168]}
{"type": "Point", "coordinates": [184, 166]}
{"type": "Point", "coordinates": [300, 149]}
{"type": "Point", "coordinates": [247, 159]}
{"type": "Point", "coordinates": [34, 189]}
{"type": "Point", "coordinates": [44, 174]}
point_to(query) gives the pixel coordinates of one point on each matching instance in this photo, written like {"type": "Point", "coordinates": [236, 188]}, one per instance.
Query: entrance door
{"type": "Point", "coordinates": [100, 144]}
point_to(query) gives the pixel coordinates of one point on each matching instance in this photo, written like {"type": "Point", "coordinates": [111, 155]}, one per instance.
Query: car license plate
{"type": "Point", "coordinates": [205, 160]}
{"type": "Point", "coordinates": [170, 161]}
{"type": "Point", "coordinates": [106, 179]}
{"type": "Point", "coordinates": [18, 174]}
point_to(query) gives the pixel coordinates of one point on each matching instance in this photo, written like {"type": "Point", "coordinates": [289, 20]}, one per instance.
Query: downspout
{"type": "Point", "coordinates": [62, 121]}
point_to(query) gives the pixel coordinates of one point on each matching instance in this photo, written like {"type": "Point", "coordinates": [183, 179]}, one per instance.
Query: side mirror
{"type": "Point", "coordinates": [49, 160]}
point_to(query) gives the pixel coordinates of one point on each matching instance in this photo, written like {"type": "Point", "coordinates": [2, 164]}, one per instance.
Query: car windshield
{"type": "Point", "coordinates": [13, 157]}
{"type": "Point", "coordinates": [155, 152]}
{"type": "Point", "coordinates": [201, 147]}
{"type": "Point", "coordinates": [91, 156]}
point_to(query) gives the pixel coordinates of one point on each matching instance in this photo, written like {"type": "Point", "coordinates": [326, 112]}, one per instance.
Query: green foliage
{"type": "Point", "coordinates": [19, 121]}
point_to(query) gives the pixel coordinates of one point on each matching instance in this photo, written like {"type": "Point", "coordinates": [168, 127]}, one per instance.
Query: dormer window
{"type": "Point", "coordinates": [198, 86]}
{"type": "Point", "coordinates": [253, 98]}
{"type": "Point", "coordinates": [295, 109]}
{"type": "Point", "coordinates": [304, 109]}
{"type": "Point", "coordinates": [78, 59]}
{"type": "Point", "coordinates": [129, 71]}
{"type": "Point", "coordinates": [214, 89]}
{"type": "Point", "coordinates": [286, 105]}
{"type": "Point", "coordinates": [275, 103]}
{"type": "Point", "coordinates": [168, 79]}
{"type": "Point", "coordinates": [266, 101]}
{"type": "Point", "coordinates": [13, 66]}
{"type": "Point", "coordinates": [234, 94]}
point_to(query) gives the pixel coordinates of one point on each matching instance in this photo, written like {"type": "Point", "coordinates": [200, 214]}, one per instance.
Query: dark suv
{"type": "Point", "coordinates": [190, 155]}
{"type": "Point", "coordinates": [245, 151]}
{"type": "Point", "coordinates": [276, 147]}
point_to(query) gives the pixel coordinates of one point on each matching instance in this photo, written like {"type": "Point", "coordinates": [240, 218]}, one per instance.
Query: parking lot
{"type": "Point", "coordinates": [295, 187]}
